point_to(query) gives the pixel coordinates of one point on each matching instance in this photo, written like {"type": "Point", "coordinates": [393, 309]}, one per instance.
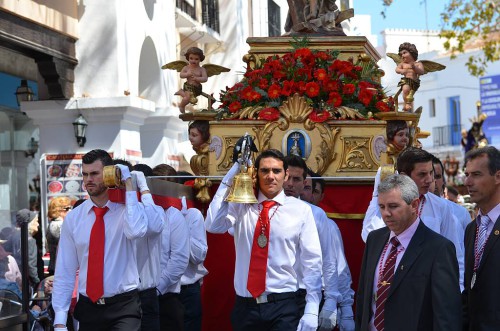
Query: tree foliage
{"type": "Point", "coordinates": [470, 24]}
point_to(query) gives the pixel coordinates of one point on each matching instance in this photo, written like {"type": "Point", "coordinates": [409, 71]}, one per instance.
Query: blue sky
{"type": "Point", "coordinates": [409, 14]}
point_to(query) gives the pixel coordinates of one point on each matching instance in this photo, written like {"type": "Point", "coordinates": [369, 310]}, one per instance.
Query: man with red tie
{"type": "Point", "coordinates": [98, 240]}
{"type": "Point", "coordinates": [409, 273]}
{"type": "Point", "coordinates": [481, 306]}
{"type": "Point", "coordinates": [271, 238]}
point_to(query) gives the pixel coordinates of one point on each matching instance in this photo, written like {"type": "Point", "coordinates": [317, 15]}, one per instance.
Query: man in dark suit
{"type": "Point", "coordinates": [409, 274]}
{"type": "Point", "coordinates": [481, 297]}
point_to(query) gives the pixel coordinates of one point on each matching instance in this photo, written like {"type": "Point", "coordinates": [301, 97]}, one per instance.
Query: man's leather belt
{"type": "Point", "coordinates": [265, 298]}
{"type": "Point", "coordinates": [110, 300]}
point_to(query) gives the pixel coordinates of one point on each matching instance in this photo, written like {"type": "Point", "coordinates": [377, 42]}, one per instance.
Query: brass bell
{"type": "Point", "coordinates": [242, 189]}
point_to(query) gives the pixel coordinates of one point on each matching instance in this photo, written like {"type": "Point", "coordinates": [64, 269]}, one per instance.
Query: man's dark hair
{"type": "Point", "coordinates": [316, 178]}
{"type": "Point", "coordinates": [409, 157]}
{"type": "Point", "coordinates": [296, 161]}
{"type": "Point", "coordinates": [186, 176]}
{"type": "Point", "coordinates": [97, 154]}
{"type": "Point", "coordinates": [274, 153]}
{"type": "Point", "coordinates": [452, 190]}
{"type": "Point", "coordinates": [493, 157]}
{"type": "Point", "coordinates": [144, 168]}
{"type": "Point", "coordinates": [123, 162]}
{"type": "Point", "coordinates": [435, 160]}
{"type": "Point", "coordinates": [164, 169]}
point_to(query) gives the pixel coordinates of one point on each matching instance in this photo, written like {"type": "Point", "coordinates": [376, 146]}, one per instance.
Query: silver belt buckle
{"type": "Point", "coordinates": [101, 301]}
{"type": "Point", "coordinates": [261, 299]}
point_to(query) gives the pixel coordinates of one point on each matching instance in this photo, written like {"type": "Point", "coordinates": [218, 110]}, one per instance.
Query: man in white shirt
{"type": "Point", "coordinates": [268, 248]}
{"type": "Point", "coordinates": [328, 238]}
{"type": "Point", "coordinates": [434, 212]}
{"type": "Point", "coordinates": [190, 295]}
{"type": "Point", "coordinates": [174, 261]}
{"type": "Point", "coordinates": [345, 318]}
{"type": "Point", "coordinates": [98, 239]}
{"type": "Point", "coordinates": [148, 256]}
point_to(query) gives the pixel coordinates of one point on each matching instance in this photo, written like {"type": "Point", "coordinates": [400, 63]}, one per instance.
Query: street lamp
{"type": "Point", "coordinates": [24, 92]}
{"type": "Point", "coordinates": [32, 148]}
{"type": "Point", "coordinates": [80, 125]}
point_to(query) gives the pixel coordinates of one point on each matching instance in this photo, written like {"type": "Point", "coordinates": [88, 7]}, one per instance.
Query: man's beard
{"type": "Point", "coordinates": [98, 190]}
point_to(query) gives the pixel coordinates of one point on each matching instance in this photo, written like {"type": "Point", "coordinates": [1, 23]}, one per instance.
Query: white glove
{"type": "Point", "coordinates": [377, 182]}
{"type": "Point", "coordinates": [308, 322]}
{"type": "Point", "coordinates": [125, 171]}
{"type": "Point", "coordinates": [141, 180]}
{"type": "Point", "coordinates": [184, 209]}
{"type": "Point", "coordinates": [327, 319]}
{"type": "Point", "coordinates": [61, 329]}
{"type": "Point", "coordinates": [345, 318]}
{"type": "Point", "coordinates": [228, 178]}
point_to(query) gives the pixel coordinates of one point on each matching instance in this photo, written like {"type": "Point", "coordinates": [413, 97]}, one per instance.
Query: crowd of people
{"type": "Point", "coordinates": [427, 265]}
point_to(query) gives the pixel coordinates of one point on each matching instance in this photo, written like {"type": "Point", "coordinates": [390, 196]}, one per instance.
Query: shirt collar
{"type": "Point", "coordinates": [405, 236]}
{"type": "Point", "coordinates": [493, 214]}
{"type": "Point", "coordinates": [89, 204]}
{"type": "Point", "coordinates": [280, 198]}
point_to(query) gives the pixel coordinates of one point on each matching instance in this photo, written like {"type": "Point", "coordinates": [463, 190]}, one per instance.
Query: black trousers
{"type": "Point", "coordinates": [121, 313]}
{"type": "Point", "coordinates": [150, 310]}
{"type": "Point", "coordinates": [171, 312]}
{"type": "Point", "coordinates": [190, 297]}
{"type": "Point", "coordinates": [279, 315]}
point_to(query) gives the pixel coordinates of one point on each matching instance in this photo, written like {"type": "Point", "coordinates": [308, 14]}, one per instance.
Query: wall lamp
{"type": "Point", "coordinates": [32, 148]}
{"type": "Point", "coordinates": [80, 125]}
{"type": "Point", "coordinates": [24, 92]}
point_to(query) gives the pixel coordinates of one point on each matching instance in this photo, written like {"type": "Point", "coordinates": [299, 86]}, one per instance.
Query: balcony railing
{"type": "Point", "coordinates": [187, 7]}
{"type": "Point", "coordinates": [211, 14]}
{"type": "Point", "coordinates": [448, 135]}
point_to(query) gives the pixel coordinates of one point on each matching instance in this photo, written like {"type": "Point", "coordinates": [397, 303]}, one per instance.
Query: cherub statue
{"type": "Point", "coordinates": [195, 75]}
{"type": "Point", "coordinates": [411, 69]}
{"type": "Point", "coordinates": [398, 137]}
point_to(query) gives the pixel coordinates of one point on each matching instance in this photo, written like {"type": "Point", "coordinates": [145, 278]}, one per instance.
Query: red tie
{"type": "Point", "coordinates": [256, 283]}
{"type": "Point", "coordinates": [95, 267]}
{"type": "Point", "coordinates": [384, 284]}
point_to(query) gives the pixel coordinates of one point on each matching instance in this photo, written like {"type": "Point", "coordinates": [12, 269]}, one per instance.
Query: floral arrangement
{"type": "Point", "coordinates": [328, 85]}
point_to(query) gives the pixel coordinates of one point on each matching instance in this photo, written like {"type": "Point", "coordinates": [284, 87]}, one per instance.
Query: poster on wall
{"type": "Point", "coordinates": [489, 88]}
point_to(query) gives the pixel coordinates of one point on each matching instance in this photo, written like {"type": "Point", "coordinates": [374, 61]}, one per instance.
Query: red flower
{"type": "Point", "coordinates": [365, 96]}
{"type": "Point", "coordinates": [263, 83]}
{"type": "Point", "coordinates": [319, 117]}
{"type": "Point", "coordinates": [364, 85]}
{"type": "Point", "coordinates": [274, 91]}
{"type": "Point", "coordinates": [312, 89]}
{"type": "Point", "coordinates": [279, 74]}
{"type": "Point", "coordinates": [382, 106]}
{"type": "Point", "coordinates": [322, 56]}
{"type": "Point", "coordinates": [234, 106]}
{"type": "Point", "coordinates": [320, 74]}
{"type": "Point", "coordinates": [303, 53]}
{"type": "Point", "coordinates": [348, 89]}
{"type": "Point", "coordinates": [256, 96]}
{"type": "Point", "coordinates": [331, 85]}
{"type": "Point", "coordinates": [246, 93]}
{"type": "Point", "coordinates": [287, 88]}
{"type": "Point", "coordinates": [335, 99]}
{"type": "Point", "coordinates": [269, 114]}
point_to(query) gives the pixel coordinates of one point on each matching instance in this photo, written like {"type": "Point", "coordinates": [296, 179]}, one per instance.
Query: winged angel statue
{"type": "Point", "coordinates": [195, 75]}
{"type": "Point", "coordinates": [411, 69]}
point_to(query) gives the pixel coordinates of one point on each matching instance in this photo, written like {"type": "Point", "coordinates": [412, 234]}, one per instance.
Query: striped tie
{"type": "Point", "coordinates": [385, 284]}
{"type": "Point", "coordinates": [481, 239]}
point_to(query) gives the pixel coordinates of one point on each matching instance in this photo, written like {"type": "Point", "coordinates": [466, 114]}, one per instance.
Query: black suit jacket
{"type": "Point", "coordinates": [425, 292]}
{"type": "Point", "coordinates": [481, 304]}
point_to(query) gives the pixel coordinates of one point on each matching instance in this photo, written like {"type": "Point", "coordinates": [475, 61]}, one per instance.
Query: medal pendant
{"type": "Point", "coordinates": [262, 240]}
{"type": "Point", "coordinates": [473, 280]}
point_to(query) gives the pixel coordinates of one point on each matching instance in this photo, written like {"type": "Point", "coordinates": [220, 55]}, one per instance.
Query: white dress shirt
{"type": "Point", "coordinates": [292, 227]}
{"type": "Point", "coordinates": [343, 271]}
{"type": "Point", "coordinates": [461, 214]}
{"type": "Point", "coordinates": [149, 246]}
{"type": "Point", "coordinates": [198, 246]}
{"type": "Point", "coordinates": [436, 215]}
{"type": "Point", "coordinates": [330, 245]}
{"type": "Point", "coordinates": [123, 224]}
{"type": "Point", "coordinates": [175, 251]}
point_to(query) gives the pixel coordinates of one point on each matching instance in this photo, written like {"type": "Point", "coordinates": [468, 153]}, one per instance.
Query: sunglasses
{"type": "Point", "coordinates": [67, 208]}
